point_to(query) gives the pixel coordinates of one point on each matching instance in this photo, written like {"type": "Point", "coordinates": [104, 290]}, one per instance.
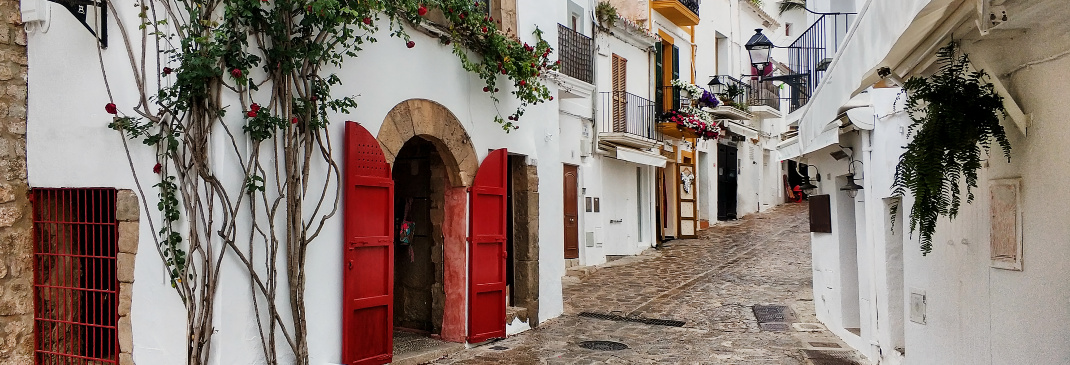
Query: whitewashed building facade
{"type": "Point", "coordinates": [990, 292]}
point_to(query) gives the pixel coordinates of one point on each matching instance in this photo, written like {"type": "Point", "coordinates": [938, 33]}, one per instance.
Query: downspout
{"type": "Point", "coordinates": [870, 195]}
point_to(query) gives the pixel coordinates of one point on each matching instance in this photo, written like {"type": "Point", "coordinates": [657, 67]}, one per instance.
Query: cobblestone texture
{"type": "Point", "coordinates": [711, 283]}
{"type": "Point", "coordinates": [16, 287]}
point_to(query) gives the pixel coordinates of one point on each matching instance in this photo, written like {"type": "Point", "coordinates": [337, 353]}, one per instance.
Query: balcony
{"type": "Point", "coordinates": [734, 95]}
{"type": "Point", "coordinates": [628, 120]}
{"type": "Point", "coordinates": [811, 54]}
{"type": "Point", "coordinates": [764, 98]}
{"type": "Point", "coordinates": [576, 53]}
{"type": "Point", "coordinates": [681, 12]}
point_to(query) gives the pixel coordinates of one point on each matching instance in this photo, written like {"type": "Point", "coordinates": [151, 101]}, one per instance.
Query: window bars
{"type": "Point", "coordinates": [76, 288]}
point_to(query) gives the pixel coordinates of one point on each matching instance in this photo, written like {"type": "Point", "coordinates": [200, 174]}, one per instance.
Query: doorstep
{"type": "Point", "coordinates": [412, 348]}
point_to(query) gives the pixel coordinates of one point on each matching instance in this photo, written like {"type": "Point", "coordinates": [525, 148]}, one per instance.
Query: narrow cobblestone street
{"type": "Point", "coordinates": [711, 284]}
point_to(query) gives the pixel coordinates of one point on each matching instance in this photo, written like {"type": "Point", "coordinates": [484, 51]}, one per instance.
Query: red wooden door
{"type": "Point", "coordinates": [368, 289]}
{"type": "Point", "coordinates": [486, 249]}
{"type": "Point", "coordinates": [572, 213]}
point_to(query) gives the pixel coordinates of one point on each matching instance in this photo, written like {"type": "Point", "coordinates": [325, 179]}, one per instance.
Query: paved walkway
{"type": "Point", "coordinates": [711, 284]}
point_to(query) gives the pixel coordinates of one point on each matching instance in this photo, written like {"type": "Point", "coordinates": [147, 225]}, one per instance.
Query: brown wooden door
{"type": "Point", "coordinates": [572, 212]}
{"type": "Point", "coordinates": [620, 87]}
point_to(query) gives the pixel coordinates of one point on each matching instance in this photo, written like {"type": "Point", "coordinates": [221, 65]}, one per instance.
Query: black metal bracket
{"type": "Point", "coordinates": [80, 10]}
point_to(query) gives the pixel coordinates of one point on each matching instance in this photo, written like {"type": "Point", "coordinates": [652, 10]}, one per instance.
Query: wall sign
{"type": "Point", "coordinates": [93, 15]}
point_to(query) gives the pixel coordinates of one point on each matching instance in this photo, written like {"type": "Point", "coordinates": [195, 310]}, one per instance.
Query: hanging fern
{"type": "Point", "coordinates": [954, 115]}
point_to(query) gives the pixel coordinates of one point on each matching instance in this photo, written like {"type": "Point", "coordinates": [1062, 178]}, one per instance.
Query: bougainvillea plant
{"type": "Point", "coordinates": [244, 87]}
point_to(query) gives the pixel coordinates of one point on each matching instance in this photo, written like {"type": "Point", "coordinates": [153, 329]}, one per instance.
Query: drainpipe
{"type": "Point", "coordinates": [870, 196]}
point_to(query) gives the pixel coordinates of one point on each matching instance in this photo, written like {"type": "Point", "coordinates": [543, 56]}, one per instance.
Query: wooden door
{"type": "Point", "coordinates": [368, 284]}
{"type": "Point", "coordinates": [619, 93]}
{"type": "Point", "coordinates": [727, 168]}
{"type": "Point", "coordinates": [572, 213]}
{"type": "Point", "coordinates": [486, 249]}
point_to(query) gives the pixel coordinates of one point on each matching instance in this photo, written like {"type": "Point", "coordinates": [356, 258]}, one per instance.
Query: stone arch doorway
{"type": "Point", "coordinates": [433, 162]}
{"type": "Point", "coordinates": [453, 169]}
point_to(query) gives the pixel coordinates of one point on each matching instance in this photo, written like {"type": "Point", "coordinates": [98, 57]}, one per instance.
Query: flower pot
{"type": "Point", "coordinates": [673, 130]}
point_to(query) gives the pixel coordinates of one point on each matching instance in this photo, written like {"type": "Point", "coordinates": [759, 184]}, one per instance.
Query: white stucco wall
{"type": "Point", "coordinates": [69, 145]}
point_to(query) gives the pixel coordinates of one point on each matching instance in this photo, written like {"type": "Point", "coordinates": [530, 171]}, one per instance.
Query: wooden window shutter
{"type": "Point", "coordinates": [820, 214]}
{"type": "Point", "coordinates": [675, 75]}
{"type": "Point", "coordinates": [659, 77]}
{"type": "Point", "coordinates": [619, 97]}
{"type": "Point", "coordinates": [1006, 224]}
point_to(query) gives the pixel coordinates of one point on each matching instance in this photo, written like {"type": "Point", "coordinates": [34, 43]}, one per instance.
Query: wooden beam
{"type": "Point", "coordinates": [1014, 111]}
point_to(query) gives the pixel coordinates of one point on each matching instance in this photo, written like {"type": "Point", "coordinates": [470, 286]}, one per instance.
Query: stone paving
{"type": "Point", "coordinates": [710, 283]}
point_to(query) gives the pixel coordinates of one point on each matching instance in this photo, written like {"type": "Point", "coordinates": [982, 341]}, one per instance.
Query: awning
{"type": "Point", "coordinates": [741, 129]}
{"type": "Point", "coordinates": [640, 157]}
{"type": "Point", "coordinates": [789, 149]}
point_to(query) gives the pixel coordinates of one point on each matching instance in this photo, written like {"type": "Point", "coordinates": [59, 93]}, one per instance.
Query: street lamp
{"type": "Point", "coordinates": [851, 187]}
{"type": "Point", "coordinates": [760, 49]}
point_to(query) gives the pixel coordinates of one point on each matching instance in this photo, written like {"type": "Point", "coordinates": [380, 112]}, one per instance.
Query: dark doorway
{"type": "Point", "coordinates": [419, 187]}
{"type": "Point", "coordinates": [572, 212]}
{"type": "Point", "coordinates": [727, 175]}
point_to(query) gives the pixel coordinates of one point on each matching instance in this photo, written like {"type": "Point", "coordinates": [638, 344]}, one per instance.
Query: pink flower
{"type": "Point", "coordinates": [110, 108]}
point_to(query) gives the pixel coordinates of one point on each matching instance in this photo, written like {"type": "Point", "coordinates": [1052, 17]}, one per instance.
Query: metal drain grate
{"type": "Point", "coordinates": [774, 327]}
{"type": "Point", "coordinates": [603, 345]}
{"type": "Point", "coordinates": [650, 321]}
{"type": "Point", "coordinates": [773, 313]}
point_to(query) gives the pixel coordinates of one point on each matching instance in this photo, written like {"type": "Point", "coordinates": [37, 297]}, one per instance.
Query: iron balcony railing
{"type": "Point", "coordinates": [733, 93]}
{"type": "Point", "coordinates": [690, 5]}
{"type": "Point", "coordinates": [623, 112]}
{"type": "Point", "coordinates": [810, 55]}
{"type": "Point", "coordinates": [763, 93]}
{"type": "Point", "coordinates": [576, 53]}
{"type": "Point", "coordinates": [668, 98]}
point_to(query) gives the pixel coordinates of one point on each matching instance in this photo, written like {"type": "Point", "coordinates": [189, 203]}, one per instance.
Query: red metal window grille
{"type": "Point", "coordinates": [76, 288]}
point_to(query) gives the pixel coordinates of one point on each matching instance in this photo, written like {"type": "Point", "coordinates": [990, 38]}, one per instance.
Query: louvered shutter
{"type": "Point", "coordinates": [659, 91]}
{"type": "Point", "coordinates": [675, 75]}
{"type": "Point", "coordinates": [620, 84]}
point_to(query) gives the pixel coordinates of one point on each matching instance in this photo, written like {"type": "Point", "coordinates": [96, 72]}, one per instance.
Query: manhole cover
{"type": "Point", "coordinates": [603, 345]}
{"type": "Point", "coordinates": [774, 327]}
{"type": "Point", "coordinates": [772, 313]}
{"type": "Point", "coordinates": [828, 345]}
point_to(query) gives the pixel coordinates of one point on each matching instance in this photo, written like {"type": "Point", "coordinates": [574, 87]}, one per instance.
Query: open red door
{"type": "Point", "coordinates": [486, 249]}
{"type": "Point", "coordinates": [368, 289]}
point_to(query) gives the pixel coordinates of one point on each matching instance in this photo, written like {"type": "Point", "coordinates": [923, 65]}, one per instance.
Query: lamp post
{"type": "Point", "coordinates": [760, 49]}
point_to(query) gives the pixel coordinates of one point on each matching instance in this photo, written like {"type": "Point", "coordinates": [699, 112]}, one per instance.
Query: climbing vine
{"type": "Point", "coordinates": [234, 100]}
{"type": "Point", "coordinates": [954, 117]}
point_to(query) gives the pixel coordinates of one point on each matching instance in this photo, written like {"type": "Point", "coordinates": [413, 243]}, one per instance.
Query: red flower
{"type": "Point", "coordinates": [484, 29]}
{"type": "Point", "coordinates": [410, 44]}
{"type": "Point", "coordinates": [251, 114]}
{"type": "Point", "coordinates": [422, 11]}
{"type": "Point", "coordinates": [110, 108]}
{"type": "Point", "coordinates": [486, 89]}
{"type": "Point", "coordinates": [523, 83]}
{"type": "Point", "coordinates": [236, 73]}
{"type": "Point", "coordinates": [294, 120]}
{"type": "Point", "coordinates": [167, 70]}
{"type": "Point", "coordinates": [313, 98]}
{"type": "Point", "coordinates": [551, 98]}
{"type": "Point", "coordinates": [495, 89]}
{"type": "Point", "coordinates": [255, 107]}
{"type": "Point", "coordinates": [367, 21]}
{"type": "Point", "coordinates": [157, 168]}
{"type": "Point", "coordinates": [462, 16]}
